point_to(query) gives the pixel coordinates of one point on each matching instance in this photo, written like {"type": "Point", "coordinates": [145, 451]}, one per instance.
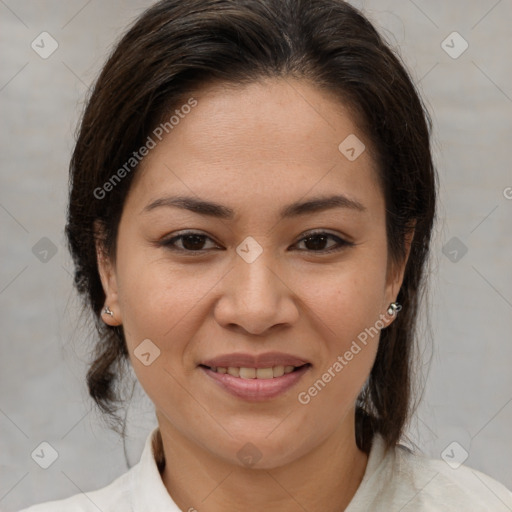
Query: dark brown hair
{"type": "Point", "coordinates": [179, 45]}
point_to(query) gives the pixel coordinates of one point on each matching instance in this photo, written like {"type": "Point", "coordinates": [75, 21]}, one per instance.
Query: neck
{"type": "Point", "coordinates": [325, 479]}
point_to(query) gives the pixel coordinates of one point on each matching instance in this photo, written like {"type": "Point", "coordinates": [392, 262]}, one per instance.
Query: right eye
{"type": "Point", "coordinates": [190, 242]}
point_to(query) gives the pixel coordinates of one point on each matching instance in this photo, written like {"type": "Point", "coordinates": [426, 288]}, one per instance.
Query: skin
{"type": "Point", "coordinates": [255, 149]}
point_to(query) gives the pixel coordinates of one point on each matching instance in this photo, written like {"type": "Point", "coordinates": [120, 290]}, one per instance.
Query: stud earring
{"type": "Point", "coordinates": [108, 311]}
{"type": "Point", "coordinates": [394, 308]}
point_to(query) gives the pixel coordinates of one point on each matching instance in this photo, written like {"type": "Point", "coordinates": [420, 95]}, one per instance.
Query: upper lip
{"type": "Point", "coordinates": [265, 360]}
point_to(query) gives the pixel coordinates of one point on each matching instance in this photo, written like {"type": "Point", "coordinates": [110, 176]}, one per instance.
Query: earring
{"type": "Point", "coordinates": [108, 311]}
{"type": "Point", "coordinates": [394, 308]}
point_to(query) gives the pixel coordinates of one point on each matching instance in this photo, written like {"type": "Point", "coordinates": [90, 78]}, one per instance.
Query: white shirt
{"type": "Point", "coordinates": [396, 481]}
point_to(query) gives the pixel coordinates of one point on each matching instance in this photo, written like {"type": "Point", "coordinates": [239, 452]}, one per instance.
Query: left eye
{"type": "Point", "coordinates": [315, 242]}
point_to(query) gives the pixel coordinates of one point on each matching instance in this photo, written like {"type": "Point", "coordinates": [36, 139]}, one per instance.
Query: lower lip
{"type": "Point", "coordinates": [256, 390]}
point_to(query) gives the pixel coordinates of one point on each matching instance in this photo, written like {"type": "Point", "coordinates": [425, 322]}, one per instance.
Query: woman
{"type": "Point", "coordinates": [251, 208]}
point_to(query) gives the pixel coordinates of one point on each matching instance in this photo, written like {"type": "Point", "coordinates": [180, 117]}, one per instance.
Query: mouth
{"type": "Point", "coordinates": [272, 372]}
{"type": "Point", "coordinates": [255, 384]}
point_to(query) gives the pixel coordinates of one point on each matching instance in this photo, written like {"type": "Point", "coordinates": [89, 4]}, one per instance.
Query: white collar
{"type": "Point", "coordinates": [149, 493]}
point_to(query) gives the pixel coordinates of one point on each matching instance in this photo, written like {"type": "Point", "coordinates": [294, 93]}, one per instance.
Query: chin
{"type": "Point", "coordinates": [262, 451]}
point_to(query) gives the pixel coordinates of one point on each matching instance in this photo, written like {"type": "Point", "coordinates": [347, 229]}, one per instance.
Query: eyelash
{"type": "Point", "coordinates": [341, 243]}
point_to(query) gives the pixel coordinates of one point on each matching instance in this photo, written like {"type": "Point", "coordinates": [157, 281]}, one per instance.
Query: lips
{"type": "Point", "coordinates": [266, 360]}
{"type": "Point", "coordinates": [255, 377]}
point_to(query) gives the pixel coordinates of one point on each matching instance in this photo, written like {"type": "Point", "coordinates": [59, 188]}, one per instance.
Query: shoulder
{"type": "Point", "coordinates": [399, 479]}
{"type": "Point", "coordinates": [140, 488]}
{"type": "Point", "coordinates": [113, 497]}
{"type": "Point", "coordinates": [432, 484]}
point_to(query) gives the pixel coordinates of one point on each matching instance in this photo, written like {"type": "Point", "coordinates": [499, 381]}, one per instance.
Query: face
{"type": "Point", "coordinates": [269, 279]}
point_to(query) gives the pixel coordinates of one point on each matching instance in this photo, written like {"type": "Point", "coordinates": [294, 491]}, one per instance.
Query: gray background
{"type": "Point", "coordinates": [44, 346]}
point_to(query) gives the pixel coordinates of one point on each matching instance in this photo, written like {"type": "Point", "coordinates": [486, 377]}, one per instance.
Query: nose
{"type": "Point", "coordinates": [256, 297]}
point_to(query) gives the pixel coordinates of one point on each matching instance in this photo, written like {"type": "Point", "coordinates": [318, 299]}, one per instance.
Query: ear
{"type": "Point", "coordinates": [396, 271]}
{"type": "Point", "coordinates": [107, 271]}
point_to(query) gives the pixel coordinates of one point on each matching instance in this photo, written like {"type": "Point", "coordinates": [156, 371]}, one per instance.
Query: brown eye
{"type": "Point", "coordinates": [317, 242]}
{"type": "Point", "coordinates": [193, 242]}
{"type": "Point", "coordinates": [188, 242]}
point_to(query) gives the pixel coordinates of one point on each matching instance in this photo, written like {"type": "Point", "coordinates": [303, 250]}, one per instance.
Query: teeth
{"type": "Point", "coordinates": [234, 371]}
{"type": "Point", "coordinates": [278, 371]}
{"type": "Point", "coordinates": [255, 373]}
{"type": "Point", "coordinates": [248, 373]}
{"type": "Point", "coordinates": [264, 373]}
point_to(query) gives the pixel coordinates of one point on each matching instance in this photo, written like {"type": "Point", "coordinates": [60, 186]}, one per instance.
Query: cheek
{"type": "Point", "coordinates": [159, 303]}
{"type": "Point", "coordinates": [347, 308]}
{"type": "Point", "coordinates": [160, 300]}
{"type": "Point", "coordinates": [348, 298]}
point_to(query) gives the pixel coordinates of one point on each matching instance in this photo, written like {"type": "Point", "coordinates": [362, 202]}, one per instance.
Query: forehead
{"type": "Point", "coordinates": [273, 139]}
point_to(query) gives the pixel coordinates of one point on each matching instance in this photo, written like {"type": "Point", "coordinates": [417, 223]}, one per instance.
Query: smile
{"type": "Point", "coordinates": [255, 373]}
{"type": "Point", "coordinates": [255, 384]}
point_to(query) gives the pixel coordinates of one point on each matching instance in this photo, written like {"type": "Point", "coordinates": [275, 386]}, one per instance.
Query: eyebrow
{"type": "Point", "coordinates": [212, 209]}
